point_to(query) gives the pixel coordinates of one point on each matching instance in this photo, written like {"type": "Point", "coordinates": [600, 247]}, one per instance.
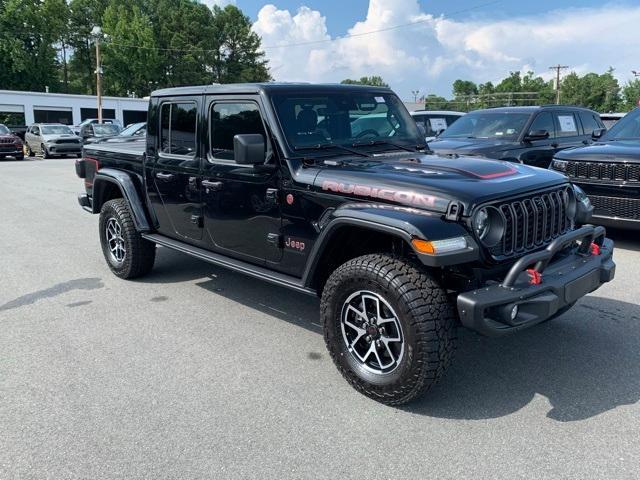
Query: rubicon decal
{"type": "Point", "coordinates": [406, 197]}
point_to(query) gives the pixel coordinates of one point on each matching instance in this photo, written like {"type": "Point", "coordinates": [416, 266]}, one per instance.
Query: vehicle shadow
{"type": "Point", "coordinates": [586, 362]}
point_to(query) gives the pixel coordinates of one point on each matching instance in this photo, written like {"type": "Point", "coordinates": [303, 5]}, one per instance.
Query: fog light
{"type": "Point", "coordinates": [514, 312]}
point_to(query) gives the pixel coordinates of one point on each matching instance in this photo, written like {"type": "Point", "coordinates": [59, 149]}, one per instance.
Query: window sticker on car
{"type": "Point", "coordinates": [380, 99]}
{"type": "Point", "coordinates": [567, 123]}
{"type": "Point", "coordinates": [438, 124]}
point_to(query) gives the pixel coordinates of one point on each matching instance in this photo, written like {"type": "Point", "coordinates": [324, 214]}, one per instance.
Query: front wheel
{"type": "Point", "coordinates": [126, 252]}
{"type": "Point", "coordinates": [45, 152]}
{"type": "Point", "coordinates": [389, 327]}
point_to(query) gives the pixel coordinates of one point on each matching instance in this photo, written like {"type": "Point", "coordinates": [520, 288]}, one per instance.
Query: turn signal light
{"type": "Point", "coordinates": [435, 247]}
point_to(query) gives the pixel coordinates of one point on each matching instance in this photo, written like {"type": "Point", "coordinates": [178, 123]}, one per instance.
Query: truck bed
{"type": "Point", "coordinates": [126, 151]}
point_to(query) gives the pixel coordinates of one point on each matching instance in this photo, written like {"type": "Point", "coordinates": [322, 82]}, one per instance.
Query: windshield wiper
{"type": "Point", "coordinates": [387, 142]}
{"type": "Point", "coordinates": [325, 146]}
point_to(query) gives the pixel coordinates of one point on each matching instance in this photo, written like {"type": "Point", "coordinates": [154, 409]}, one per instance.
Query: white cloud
{"type": "Point", "coordinates": [431, 54]}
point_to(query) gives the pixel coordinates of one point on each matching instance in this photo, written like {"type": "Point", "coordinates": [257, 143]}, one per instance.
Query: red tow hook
{"type": "Point", "coordinates": [535, 276]}
{"type": "Point", "coordinates": [594, 249]}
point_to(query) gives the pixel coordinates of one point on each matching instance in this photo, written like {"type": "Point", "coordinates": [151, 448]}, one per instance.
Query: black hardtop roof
{"type": "Point", "coordinates": [532, 108]}
{"type": "Point", "coordinates": [269, 87]}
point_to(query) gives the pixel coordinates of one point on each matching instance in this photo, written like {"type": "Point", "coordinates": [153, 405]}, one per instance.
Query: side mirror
{"type": "Point", "coordinates": [536, 135]}
{"type": "Point", "coordinates": [249, 149]}
{"type": "Point", "coordinates": [598, 132]}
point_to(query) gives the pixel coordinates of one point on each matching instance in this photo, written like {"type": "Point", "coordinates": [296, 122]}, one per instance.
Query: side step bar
{"type": "Point", "coordinates": [231, 263]}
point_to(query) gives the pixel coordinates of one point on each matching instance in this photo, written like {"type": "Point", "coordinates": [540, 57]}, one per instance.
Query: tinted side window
{"type": "Point", "coordinates": [544, 121]}
{"type": "Point", "coordinates": [178, 128]}
{"type": "Point", "coordinates": [567, 124]}
{"type": "Point", "coordinates": [230, 119]}
{"type": "Point", "coordinates": [589, 122]}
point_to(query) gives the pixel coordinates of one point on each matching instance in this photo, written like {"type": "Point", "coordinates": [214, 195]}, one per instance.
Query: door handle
{"type": "Point", "coordinates": [164, 176]}
{"type": "Point", "coordinates": [209, 185]}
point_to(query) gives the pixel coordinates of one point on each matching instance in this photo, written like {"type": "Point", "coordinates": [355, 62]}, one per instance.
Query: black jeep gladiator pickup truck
{"type": "Point", "coordinates": [401, 245]}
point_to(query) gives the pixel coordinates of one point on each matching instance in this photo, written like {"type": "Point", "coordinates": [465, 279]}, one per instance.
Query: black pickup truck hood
{"type": "Point", "coordinates": [623, 150]}
{"type": "Point", "coordinates": [469, 146]}
{"type": "Point", "coordinates": [430, 181]}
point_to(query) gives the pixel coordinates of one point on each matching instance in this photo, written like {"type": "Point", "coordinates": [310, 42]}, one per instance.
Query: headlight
{"type": "Point", "coordinates": [581, 196]}
{"type": "Point", "coordinates": [584, 209]}
{"type": "Point", "coordinates": [560, 165]}
{"type": "Point", "coordinates": [488, 225]}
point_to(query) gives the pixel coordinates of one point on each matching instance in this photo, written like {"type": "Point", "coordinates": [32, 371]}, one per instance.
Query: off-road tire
{"type": "Point", "coordinates": [426, 316]}
{"type": "Point", "coordinates": [140, 253]}
{"type": "Point", "coordinates": [45, 152]}
{"type": "Point", "coordinates": [29, 152]}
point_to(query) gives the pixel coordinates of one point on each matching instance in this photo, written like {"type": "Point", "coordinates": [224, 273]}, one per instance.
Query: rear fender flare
{"type": "Point", "coordinates": [129, 192]}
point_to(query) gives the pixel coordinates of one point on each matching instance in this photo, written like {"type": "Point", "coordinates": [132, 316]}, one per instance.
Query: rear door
{"type": "Point", "coordinates": [176, 168]}
{"type": "Point", "coordinates": [569, 130]}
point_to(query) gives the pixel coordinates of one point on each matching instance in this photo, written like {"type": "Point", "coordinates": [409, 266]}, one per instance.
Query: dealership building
{"type": "Point", "coordinates": [25, 108]}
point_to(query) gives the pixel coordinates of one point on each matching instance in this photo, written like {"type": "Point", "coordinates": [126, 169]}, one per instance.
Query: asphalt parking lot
{"type": "Point", "coordinates": [197, 372]}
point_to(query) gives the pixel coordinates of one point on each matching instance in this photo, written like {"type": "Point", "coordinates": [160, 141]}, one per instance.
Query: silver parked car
{"type": "Point", "coordinates": [49, 139]}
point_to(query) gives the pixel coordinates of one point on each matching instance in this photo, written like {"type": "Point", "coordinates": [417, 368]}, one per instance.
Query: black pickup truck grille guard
{"type": "Point", "coordinates": [532, 222]}
{"type": "Point", "coordinates": [604, 172]}
{"type": "Point", "coordinates": [540, 284]}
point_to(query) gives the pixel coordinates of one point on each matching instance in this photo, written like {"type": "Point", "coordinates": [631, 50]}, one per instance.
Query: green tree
{"type": "Point", "coordinates": [373, 81]}
{"type": "Point", "coordinates": [464, 87]}
{"type": "Point", "coordinates": [128, 69]}
{"type": "Point", "coordinates": [435, 102]}
{"type": "Point", "coordinates": [630, 95]}
{"type": "Point", "coordinates": [600, 92]}
{"type": "Point", "coordinates": [27, 56]}
{"type": "Point", "coordinates": [237, 56]}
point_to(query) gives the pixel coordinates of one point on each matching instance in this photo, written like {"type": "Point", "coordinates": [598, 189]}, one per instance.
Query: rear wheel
{"type": "Point", "coordinates": [388, 326]}
{"type": "Point", "coordinates": [28, 151]}
{"type": "Point", "coordinates": [126, 252]}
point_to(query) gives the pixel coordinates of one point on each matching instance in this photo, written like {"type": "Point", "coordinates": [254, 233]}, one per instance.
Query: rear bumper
{"type": "Point", "coordinates": [85, 202]}
{"type": "Point", "coordinates": [566, 276]}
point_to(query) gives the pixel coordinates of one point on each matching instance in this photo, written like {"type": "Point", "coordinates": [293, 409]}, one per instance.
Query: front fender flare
{"type": "Point", "coordinates": [403, 222]}
{"type": "Point", "coordinates": [130, 193]}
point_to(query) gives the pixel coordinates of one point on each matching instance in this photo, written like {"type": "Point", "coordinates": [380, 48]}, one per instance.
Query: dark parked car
{"type": "Point", "coordinates": [272, 180]}
{"type": "Point", "coordinates": [530, 135]}
{"type": "Point", "coordinates": [132, 132]}
{"type": "Point", "coordinates": [609, 172]}
{"type": "Point", "coordinates": [10, 144]}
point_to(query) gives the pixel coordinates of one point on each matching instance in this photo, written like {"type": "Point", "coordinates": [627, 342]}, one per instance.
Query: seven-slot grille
{"type": "Point", "coordinates": [533, 222]}
{"type": "Point", "coordinates": [606, 172]}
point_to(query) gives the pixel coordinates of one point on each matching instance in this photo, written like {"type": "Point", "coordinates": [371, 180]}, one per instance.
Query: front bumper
{"type": "Point", "coordinates": [60, 148]}
{"type": "Point", "coordinates": [566, 276]}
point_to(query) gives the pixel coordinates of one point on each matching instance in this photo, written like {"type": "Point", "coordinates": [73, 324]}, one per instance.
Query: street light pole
{"type": "Point", "coordinates": [97, 35]}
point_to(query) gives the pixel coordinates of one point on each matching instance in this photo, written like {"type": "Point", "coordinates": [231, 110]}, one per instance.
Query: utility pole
{"type": "Point", "coordinates": [97, 35]}
{"type": "Point", "coordinates": [557, 68]}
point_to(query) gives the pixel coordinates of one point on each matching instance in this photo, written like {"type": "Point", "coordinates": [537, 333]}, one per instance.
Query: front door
{"type": "Point", "coordinates": [539, 153]}
{"type": "Point", "coordinates": [176, 169]}
{"type": "Point", "coordinates": [241, 202]}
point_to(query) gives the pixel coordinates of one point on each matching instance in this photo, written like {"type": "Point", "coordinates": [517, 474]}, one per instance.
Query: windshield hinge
{"type": "Point", "coordinates": [454, 211]}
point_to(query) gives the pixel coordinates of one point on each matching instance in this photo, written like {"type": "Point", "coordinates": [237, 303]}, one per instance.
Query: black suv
{"type": "Point", "coordinates": [276, 181]}
{"type": "Point", "coordinates": [609, 172]}
{"type": "Point", "coordinates": [530, 135]}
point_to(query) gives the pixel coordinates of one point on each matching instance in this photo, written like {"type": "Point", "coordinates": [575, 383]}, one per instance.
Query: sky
{"type": "Point", "coordinates": [425, 45]}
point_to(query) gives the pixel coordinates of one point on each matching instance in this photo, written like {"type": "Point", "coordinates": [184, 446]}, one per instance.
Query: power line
{"type": "Point", "coordinates": [316, 42]}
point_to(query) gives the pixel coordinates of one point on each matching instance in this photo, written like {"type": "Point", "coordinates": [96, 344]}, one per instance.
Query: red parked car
{"type": "Point", "coordinates": [10, 144]}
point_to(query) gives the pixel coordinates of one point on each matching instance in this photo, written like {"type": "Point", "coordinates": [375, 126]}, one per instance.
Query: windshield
{"type": "Point", "coordinates": [4, 130]}
{"type": "Point", "coordinates": [103, 130]}
{"type": "Point", "coordinates": [495, 125]}
{"type": "Point", "coordinates": [345, 119]}
{"type": "Point", "coordinates": [131, 130]}
{"type": "Point", "coordinates": [56, 130]}
{"type": "Point", "coordinates": [627, 128]}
